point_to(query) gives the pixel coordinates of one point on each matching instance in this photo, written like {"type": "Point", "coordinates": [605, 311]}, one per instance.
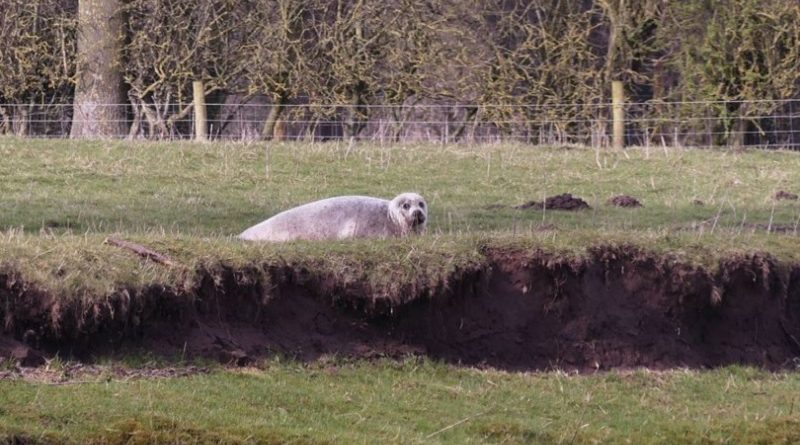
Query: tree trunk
{"type": "Point", "coordinates": [99, 109]}
{"type": "Point", "coordinates": [272, 122]}
{"type": "Point", "coordinates": [740, 126]}
{"type": "Point", "coordinates": [794, 127]}
{"type": "Point", "coordinates": [356, 113]}
{"type": "Point", "coordinates": [614, 68]}
{"type": "Point", "coordinates": [5, 121]}
{"type": "Point", "coordinates": [21, 120]}
{"type": "Point", "coordinates": [469, 115]}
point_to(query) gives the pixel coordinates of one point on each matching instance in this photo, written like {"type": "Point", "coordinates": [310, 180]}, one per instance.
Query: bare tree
{"type": "Point", "coordinates": [279, 53]}
{"type": "Point", "coordinates": [37, 49]}
{"type": "Point", "coordinates": [99, 109]}
{"type": "Point", "coordinates": [352, 38]}
{"type": "Point", "coordinates": [170, 45]}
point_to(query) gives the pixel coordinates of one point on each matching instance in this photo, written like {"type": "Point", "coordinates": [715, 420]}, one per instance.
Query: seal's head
{"type": "Point", "coordinates": [410, 212]}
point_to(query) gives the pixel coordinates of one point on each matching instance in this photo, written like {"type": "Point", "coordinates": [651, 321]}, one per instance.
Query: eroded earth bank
{"type": "Point", "coordinates": [615, 307]}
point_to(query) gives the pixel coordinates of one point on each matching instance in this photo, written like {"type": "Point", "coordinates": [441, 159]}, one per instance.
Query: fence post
{"type": "Point", "coordinates": [618, 114]}
{"type": "Point", "coordinates": [199, 97]}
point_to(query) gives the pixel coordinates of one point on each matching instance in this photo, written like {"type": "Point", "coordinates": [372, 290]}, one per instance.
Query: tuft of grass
{"type": "Point", "coordinates": [410, 402]}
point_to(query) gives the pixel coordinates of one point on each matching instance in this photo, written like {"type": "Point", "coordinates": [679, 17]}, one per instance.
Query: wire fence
{"type": "Point", "coordinates": [758, 123]}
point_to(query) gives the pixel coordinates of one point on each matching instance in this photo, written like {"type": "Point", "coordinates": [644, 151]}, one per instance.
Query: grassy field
{"type": "Point", "coordinates": [409, 402]}
{"type": "Point", "coordinates": [218, 189]}
{"type": "Point", "coordinates": [60, 199]}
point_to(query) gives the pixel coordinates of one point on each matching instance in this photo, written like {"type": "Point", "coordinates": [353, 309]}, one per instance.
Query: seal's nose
{"type": "Point", "coordinates": [419, 217]}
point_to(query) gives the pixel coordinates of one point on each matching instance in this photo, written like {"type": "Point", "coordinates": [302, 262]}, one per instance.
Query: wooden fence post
{"type": "Point", "coordinates": [618, 114]}
{"type": "Point", "coordinates": [200, 124]}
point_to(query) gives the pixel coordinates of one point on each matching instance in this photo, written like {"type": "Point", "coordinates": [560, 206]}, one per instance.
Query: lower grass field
{"type": "Point", "coordinates": [60, 199]}
{"type": "Point", "coordinates": [407, 402]}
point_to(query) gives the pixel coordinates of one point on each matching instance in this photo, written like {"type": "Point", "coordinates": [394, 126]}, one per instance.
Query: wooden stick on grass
{"type": "Point", "coordinates": [141, 251]}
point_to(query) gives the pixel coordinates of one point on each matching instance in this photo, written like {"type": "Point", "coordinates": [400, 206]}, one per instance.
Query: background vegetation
{"type": "Point", "coordinates": [484, 58]}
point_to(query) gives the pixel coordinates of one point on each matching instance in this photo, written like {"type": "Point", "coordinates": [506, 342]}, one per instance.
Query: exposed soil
{"type": "Point", "coordinates": [68, 373]}
{"type": "Point", "coordinates": [559, 202]}
{"type": "Point", "coordinates": [623, 201]}
{"type": "Point", "coordinates": [618, 307]}
{"type": "Point", "coordinates": [782, 194]}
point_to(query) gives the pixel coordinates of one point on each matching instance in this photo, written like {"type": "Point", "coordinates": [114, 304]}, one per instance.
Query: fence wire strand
{"type": "Point", "coordinates": [760, 123]}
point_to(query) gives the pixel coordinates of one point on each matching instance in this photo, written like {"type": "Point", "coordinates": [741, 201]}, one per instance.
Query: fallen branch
{"type": "Point", "coordinates": [141, 251]}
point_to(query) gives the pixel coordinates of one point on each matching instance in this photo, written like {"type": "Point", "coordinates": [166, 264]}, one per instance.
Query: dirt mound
{"type": "Point", "coordinates": [617, 307]}
{"type": "Point", "coordinates": [559, 202]}
{"type": "Point", "coordinates": [782, 194]}
{"type": "Point", "coordinates": [623, 201]}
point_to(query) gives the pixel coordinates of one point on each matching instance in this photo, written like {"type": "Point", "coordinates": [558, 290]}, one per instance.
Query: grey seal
{"type": "Point", "coordinates": [345, 217]}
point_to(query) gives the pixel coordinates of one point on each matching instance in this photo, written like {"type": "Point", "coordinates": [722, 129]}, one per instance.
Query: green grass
{"type": "Point", "coordinates": [411, 402]}
{"type": "Point", "coordinates": [220, 189]}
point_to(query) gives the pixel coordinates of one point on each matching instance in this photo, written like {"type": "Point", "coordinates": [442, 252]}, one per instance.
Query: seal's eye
{"type": "Point", "coordinates": [421, 205]}
{"type": "Point", "coordinates": [406, 206]}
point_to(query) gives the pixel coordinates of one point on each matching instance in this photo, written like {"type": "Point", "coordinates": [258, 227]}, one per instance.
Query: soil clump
{"type": "Point", "coordinates": [624, 201]}
{"type": "Point", "coordinates": [559, 202]}
{"type": "Point", "coordinates": [784, 195]}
